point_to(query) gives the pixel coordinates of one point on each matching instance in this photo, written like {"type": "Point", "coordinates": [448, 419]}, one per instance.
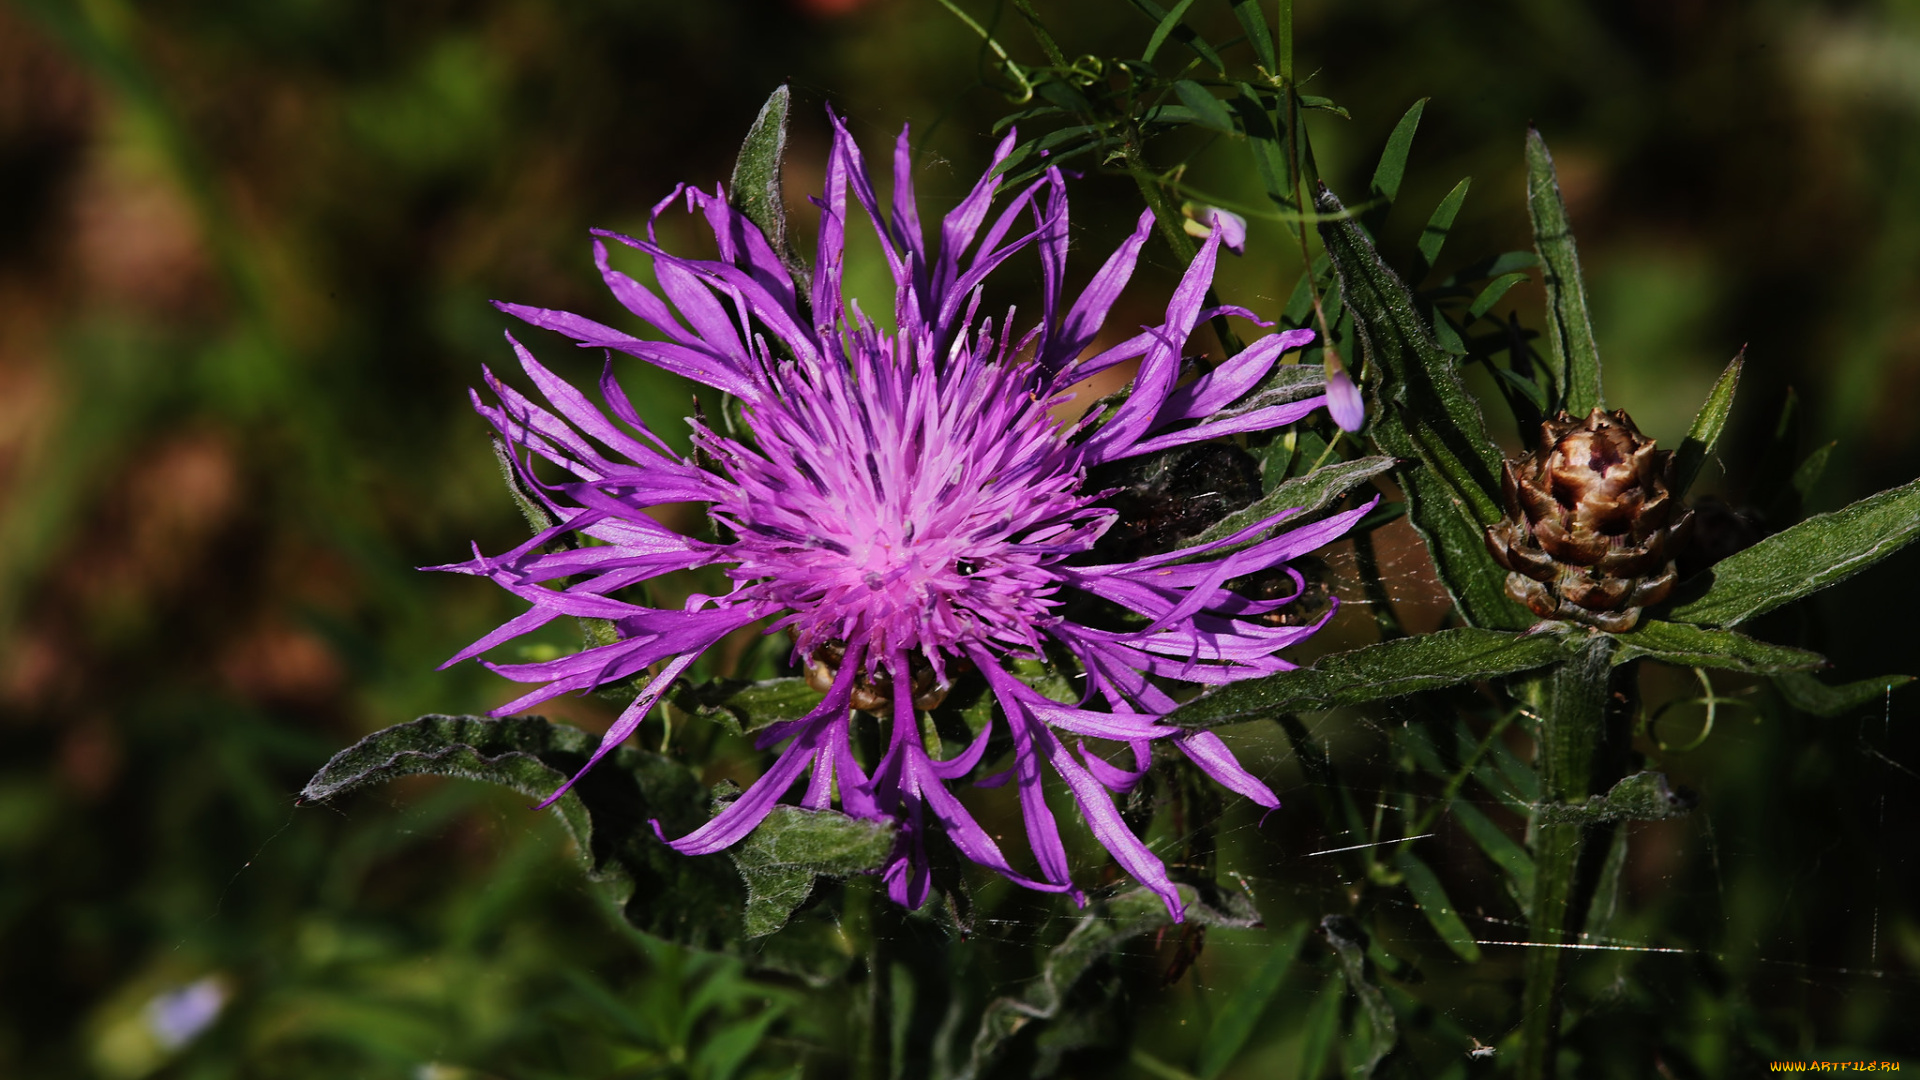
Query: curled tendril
{"type": "Point", "coordinates": [1708, 700]}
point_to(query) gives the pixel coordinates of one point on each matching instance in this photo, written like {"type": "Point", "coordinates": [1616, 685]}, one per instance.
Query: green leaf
{"type": "Point", "coordinates": [1393, 166]}
{"type": "Point", "coordinates": [1314, 491]}
{"type": "Point", "coordinates": [1210, 111]}
{"type": "Point", "coordinates": [1805, 558]}
{"type": "Point", "coordinates": [1810, 695]}
{"type": "Point", "coordinates": [783, 855]}
{"type": "Point", "coordinates": [1569, 327]}
{"type": "Point", "coordinates": [1434, 236]}
{"type": "Point", "coordinates": [1491, 295]}
{"type": "Point", "coordinates": [1423, 413]}
{"type": "Point", "coordinates": [1167, 22]}
{"type": "Point", "coordinates": [1349, 945]}
{"type": "Point", "coordinates": [1428, 413]}
{"type": "Point", "coordinates": [691, 900]}
{"type": "Point", "coordinates": [1322, 1026]}
{"type": "Point", "coordinates": [1183, 34]}
{"type": "Point", "coordinates": [1254, 22]}
{"type": "Point", "coordinates": [755, 189]}
{"type": "Point", "coordinates": [1431, 898]}
{"type": "Point", "coordinates": [1707, 426]}
{"type": "Point", "coordinates": [1446, 336]}
{"type": "Point", "coordinates": [1389, 669]}
{"type": "Point", "coordinates": [1644, 796]}
{"type": "Point", "coordinates": [1808, 474]}
{"type": "Point", "coordinates": [1693, 646]}
{"type": "Point", "coordinates": [1237, 1018]}
{"type": "Point", "coordinates": [1104, 927]}
{"type": "Point", "coordinates": [1502, 850]}
{"type": "Point", "coordinates": [747, 707]}
{"type": "Point", "coordinates": [1458, 548]}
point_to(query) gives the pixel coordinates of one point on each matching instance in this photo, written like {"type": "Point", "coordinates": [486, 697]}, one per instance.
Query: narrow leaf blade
{"type": "Point", "coordinates": [1810, 695]}
{"type": "Point", "coordinates": [1237, 1019]}
{"type": "Point", "coordinates": [1431, 897]}
{"type": "Point", "coordinates": [1707, 426]}
{"type": "Point", "coordinates": [1569, 326]}
{"type": "Point", "coordinates": [755, 189]}
{"type": "Point", "coordinates": [1802, 560]}
{"type": "Point", "coordinates": [1389, 669]}
{"type": "Point", "coordinates": [1694, 646]}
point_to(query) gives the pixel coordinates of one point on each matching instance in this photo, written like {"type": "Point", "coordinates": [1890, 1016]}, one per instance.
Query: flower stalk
{"type": "Point", "coordinates": [1570, 704]}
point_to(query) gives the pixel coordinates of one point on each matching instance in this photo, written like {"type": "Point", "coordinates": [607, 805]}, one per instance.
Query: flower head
{"type": "Point", "coordinates": [907, 508]}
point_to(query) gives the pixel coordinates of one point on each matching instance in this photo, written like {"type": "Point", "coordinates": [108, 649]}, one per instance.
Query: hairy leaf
{"type": "Point", "coordinates": [1804, 559]}
{"type": "Point", "coordinates": [783, 855]}
{"type": "Point", "coordinates": [1314, 491]}
{"type": "Point", "coordinates": [1569, 327]}
{"type": "Point", "coordinates": [1389, 669]}
{"type": "Point", "coordinates": [692, 900]}
{"type": "Point", "coordinates": [1104, 927]}
{"type": "Point", "coordinates": [1707, 426]}
{"type": "Point", "coordinates": [747, 706]}
{"type": "Point", "coordinates": [1422, 413]}
{"type": "Point", "coordinates": [1810, 695]}
{"type": "Point", "coordinates": [1693, 646]}
{"type": "Point", "coordinates": [1644, 796]}
{"type": "Point", "coordinates": [755, 189]}
{"type": "Point", "coordinates": [1349, 945]}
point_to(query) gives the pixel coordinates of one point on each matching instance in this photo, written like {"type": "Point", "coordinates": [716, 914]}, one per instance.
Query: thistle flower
{"type": "Point", "coordinates": [1591, 529]}
{"type": "Point", "coordinates": [906, 508]}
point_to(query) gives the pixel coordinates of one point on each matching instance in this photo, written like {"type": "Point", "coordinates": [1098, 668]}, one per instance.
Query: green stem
{"type": "Point", "coordinates": [1571, 704]}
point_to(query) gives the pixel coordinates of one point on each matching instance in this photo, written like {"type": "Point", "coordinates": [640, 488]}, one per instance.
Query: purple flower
{"type": "Point", "coordinates": [1344, 403]}
{"type": "Point", "coordinates": [906, 507]}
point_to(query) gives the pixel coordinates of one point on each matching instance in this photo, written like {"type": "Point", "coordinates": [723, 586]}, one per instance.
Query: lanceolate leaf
{"type": "Point", "coordinates": [1419, 387]}
{"type": "Point", "coordinates": [1434, 236]}
{"type": "Point", "coordinates": [1389, 669]}
{"type": "Point", "coordinates": [1393, 165]}
{"type": "Point", "coordinates": [1102, 929]}
{"type": "Point", "coordinates": [1349, 945]}
{"type": "Point", "coordinates": [1431, 897]}
{"type": "Point", "coordinates": [1569, 327]}
{"type": "Point", "coordinates": [1806, 558]}
{"type": "Point", "coordinates": [755, 190]}
{"type": "Point", "coordinates": [1693, 646]}
{"type": "Point", "coordinates": [1422, 413]}
{"type": "Point", "coordinates": [1503, 850]}
{"type": "Point", "coordinates": [1810, 695]}
{"type": "Point", "coordinates": [1707, 426]}
{"type": "Point", "coordinates": [694, 901]}
{"type": "Point", "coordinates": [1309, 493]}
{"type": "Point", "coordinates": [784, 853]}
{"type": "Point", "coordinates": [1237, 1019]}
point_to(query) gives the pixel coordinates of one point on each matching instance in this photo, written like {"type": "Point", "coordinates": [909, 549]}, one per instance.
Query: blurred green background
{"type": "Point", "coordinates": [245, 253]}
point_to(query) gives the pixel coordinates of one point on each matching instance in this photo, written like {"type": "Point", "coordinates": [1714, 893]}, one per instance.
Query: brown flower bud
{"type": "Point", "coordinates": [1591, 529]}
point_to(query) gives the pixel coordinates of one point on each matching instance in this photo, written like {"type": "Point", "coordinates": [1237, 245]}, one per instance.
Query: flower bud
{"type": "Point", "coordinates": [1591, 530]}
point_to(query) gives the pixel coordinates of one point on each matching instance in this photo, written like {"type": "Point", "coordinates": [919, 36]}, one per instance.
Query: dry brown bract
{"type": "Point", "coordinates": [1592, 529]}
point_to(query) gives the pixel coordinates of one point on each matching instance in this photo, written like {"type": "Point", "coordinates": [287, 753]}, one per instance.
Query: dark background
{"type": "Point", "coordinates": [245, 251]}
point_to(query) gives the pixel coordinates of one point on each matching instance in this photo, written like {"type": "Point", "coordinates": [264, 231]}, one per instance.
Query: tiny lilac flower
{"type": "Point", "coordinates": [1232, 228]}
{"type": "Point", "coordinates": [907, 508]}
{"type": "Point", "coordinates": [1344, 403]}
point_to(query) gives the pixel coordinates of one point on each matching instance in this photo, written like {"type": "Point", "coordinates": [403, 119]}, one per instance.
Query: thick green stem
{"type": "Point", "coordinates": [1571, 704]}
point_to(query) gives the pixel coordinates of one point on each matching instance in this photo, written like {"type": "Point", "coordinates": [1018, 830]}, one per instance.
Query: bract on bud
{"type": "Point", "coordinates": [1591, 530]}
